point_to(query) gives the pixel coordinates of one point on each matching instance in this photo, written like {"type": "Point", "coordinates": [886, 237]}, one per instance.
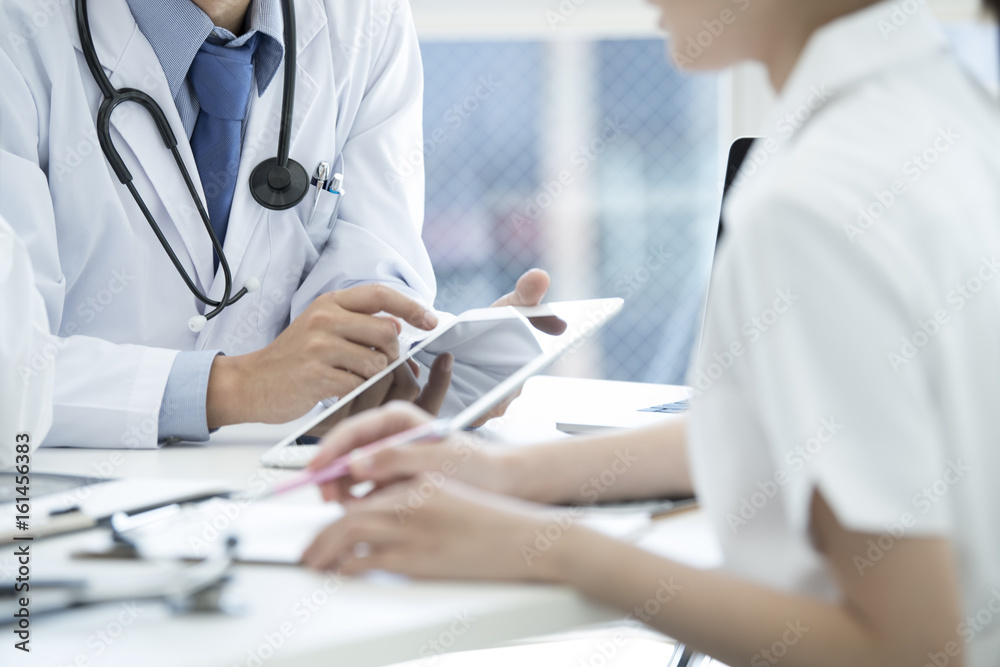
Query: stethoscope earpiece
{"type": "Point", "coordinates": [278, 187]}
{"type": "Point", "coordinates": [197, 323]}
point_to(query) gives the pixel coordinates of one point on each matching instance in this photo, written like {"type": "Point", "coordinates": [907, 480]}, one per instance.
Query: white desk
{"type": "Point", "coordinates": [352, 623]}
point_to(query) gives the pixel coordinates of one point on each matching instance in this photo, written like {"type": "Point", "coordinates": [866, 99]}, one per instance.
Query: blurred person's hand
{"type": "Point", "coordinates": [429, 527]}
{"type": "Point", "coordinates": [462, 457]}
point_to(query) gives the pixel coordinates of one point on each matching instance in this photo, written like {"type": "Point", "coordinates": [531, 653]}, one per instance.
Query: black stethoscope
{"type": "Point", "coordinates": [276, 184]}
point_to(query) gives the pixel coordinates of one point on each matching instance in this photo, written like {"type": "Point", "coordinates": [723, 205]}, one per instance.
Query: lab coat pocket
{"type": "Point", "coordinates": [322, 221]}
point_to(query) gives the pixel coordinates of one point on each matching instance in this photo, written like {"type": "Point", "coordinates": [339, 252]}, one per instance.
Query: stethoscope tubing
{"type": "Point", "coordinates": [114, 97]}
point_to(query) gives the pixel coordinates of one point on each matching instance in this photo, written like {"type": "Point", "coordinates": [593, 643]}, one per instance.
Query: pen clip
{"type": "Point", "coordinates": [320, 181]}
{"type": "Point", "coordinates": [322, 176]}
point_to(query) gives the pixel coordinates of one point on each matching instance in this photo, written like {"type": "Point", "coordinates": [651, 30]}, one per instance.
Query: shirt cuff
{"type": "Point", "coordinates": [183, 412]}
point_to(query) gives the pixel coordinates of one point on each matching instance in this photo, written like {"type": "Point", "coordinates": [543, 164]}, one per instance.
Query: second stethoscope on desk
{"type": "Point", "coordinates": [277, 184]}
{"type": "Point", "coordinates": [184, 588]}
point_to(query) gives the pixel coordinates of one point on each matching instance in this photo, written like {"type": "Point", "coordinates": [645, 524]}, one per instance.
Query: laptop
{"type": "Point", "coordinates": [625, 407]}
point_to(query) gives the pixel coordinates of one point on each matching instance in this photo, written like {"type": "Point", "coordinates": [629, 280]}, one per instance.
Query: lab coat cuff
{"type": "Point", "coordinates": [183, 412]}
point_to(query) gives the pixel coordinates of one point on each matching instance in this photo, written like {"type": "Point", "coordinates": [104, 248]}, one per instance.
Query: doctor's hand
{"type": "Point", "coordinates": [464, 457]}
{"type": "Point", "coordinates": [328, 350]}
{"type": "Point", "coordinates": [529, 291]}
{"type": "Point", "coordinates": [400, 385]}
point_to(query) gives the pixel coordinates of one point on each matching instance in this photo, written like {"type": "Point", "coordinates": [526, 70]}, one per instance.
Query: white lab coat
{"type": "Point", "coordinates": [26, 353]}
{"type": "Point", "coordinates": [118, 306]}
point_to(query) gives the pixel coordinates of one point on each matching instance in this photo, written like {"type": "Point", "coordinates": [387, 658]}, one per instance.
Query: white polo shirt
{"type": "Point", "coordinates": [852, 338]}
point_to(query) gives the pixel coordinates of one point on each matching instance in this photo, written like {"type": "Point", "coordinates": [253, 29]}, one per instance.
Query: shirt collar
{"type": "Point", "coordinates": [849, 50]}
{"type": "Point", "coordinates": [176, 29]}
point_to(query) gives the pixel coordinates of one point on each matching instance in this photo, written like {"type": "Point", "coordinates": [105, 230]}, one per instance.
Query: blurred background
{"type": "Point", "coordinates": [557, 135]}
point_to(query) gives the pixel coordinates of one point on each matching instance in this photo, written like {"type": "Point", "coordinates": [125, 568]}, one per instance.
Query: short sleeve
{"type": "Point", "coordinates": [820, 319]}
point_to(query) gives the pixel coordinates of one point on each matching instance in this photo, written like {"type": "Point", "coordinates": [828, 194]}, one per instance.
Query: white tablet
{"type": "Point", "coordinates": [495, 350]}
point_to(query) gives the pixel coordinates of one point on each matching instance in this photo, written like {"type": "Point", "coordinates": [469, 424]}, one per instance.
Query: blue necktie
{"type": "Point", "coordinates": [222, 78]}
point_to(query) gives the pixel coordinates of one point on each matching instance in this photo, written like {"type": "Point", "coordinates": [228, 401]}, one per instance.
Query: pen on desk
{"type": "Point", "coordinates": [320, 180]}
{"type": "Point", "coordinates": [336, 188]}
{"type": "Point", "coordinates": [341, 467]}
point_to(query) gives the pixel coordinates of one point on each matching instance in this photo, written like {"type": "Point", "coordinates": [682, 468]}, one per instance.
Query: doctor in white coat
{"type": "Point", "coordinates": [25, 393]}
{"type": "Point", "coordinates": [130, 372]}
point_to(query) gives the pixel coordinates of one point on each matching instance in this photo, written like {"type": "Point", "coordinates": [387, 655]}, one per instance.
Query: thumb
{"type": "Point", "coordinates": [529, 291]}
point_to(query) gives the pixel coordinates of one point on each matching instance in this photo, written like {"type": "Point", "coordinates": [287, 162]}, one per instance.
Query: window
{"type": "Point", "coordinates": [592, 158]}
{"type": "Point", "coordinates": [558, 135]}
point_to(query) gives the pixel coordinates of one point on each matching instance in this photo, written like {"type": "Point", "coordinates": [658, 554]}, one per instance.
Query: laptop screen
{"type": "Point", "coordinates": [737, 156]}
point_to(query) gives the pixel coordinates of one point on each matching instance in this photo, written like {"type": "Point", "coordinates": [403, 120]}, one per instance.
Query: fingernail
{"type": "Point", "coordinates": [448, 363]}
{"type": "Point", "coordinates": [430, 320]}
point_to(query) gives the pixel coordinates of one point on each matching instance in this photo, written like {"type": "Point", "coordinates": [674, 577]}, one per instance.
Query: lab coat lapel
{"type": "Point", "coordinates": [261, 137]}
{"type": "Point", "coordinates": [167, 182]}
{"type": "Point", "coordinates": [129, 58]}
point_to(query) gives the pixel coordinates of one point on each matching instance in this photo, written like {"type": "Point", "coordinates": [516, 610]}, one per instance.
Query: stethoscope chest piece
{"type": "Point", "coordinates": [278, 187]}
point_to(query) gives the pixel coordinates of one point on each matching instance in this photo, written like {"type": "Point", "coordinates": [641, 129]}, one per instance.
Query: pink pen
{"type": "Point", "coordinates": [434, 431]}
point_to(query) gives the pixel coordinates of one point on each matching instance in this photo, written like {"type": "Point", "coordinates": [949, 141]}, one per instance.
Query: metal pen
{"type": "Point", "coordinates": [321, 178]}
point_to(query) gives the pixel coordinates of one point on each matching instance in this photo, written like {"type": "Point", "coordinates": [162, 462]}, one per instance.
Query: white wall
{"type": "Point", "coordinates": [535, 19]}
{"type": "Point", "coordinates": [504, 19]}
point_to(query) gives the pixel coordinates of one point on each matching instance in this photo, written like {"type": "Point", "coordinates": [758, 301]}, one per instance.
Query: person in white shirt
{"type": "Point", "coordinates": [843, 439]}
{"type": "Point", "coordinates": [26, 355]}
